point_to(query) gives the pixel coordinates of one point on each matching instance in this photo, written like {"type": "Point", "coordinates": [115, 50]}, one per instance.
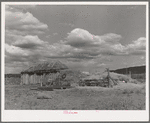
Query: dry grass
{"type": "Point", "coordinates": [124, 96]}
{"type": "Point", "coordinates": [139, 77]}
{"type": "Point", "coordinates": [12, 81]}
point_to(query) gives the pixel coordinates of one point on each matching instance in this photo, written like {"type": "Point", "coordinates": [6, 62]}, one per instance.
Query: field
{"type": "Point", "coordinates": [139, 77]}
{"type": "Point", "coordinates": [124, 96]}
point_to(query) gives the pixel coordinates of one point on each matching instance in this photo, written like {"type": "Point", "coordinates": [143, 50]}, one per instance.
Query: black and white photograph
{"type": "Point", "coordinates": [75, 58]}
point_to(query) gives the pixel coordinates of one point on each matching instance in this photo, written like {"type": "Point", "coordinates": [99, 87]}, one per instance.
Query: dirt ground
{"type": "Point", "coordinates": [125, 96]}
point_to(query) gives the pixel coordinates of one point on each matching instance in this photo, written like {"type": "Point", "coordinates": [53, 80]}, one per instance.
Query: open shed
{"type": "Point", "coordinates": [42, 72]}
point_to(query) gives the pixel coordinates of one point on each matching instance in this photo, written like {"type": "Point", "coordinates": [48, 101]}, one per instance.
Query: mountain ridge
{"type": "Point", "coordinates": [133, 70]}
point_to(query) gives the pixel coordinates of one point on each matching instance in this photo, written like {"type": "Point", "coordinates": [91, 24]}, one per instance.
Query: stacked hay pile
{"type": "Point", "coordinates": [72, 76]}
{"type": "Point", "coordinates": [92, 77]}
{"type": "Point", "coordinates": [101, 79]}
{"type": "Point", "coordinates": [119, 77]}
{"type": "Point", "coordinates": [90, 80]}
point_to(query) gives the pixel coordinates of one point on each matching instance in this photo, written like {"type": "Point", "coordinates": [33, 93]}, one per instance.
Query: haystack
{"type": "Point", "coordinates": [91, 78]}
{"type": "Point", "coordinates": [72, 76]}
{"type": "Point", "coordinates": [102, 79]}
{"type": "Point", "coordinates": [119, 77]}
{"type": "Point", "coordinates": [42, 72]}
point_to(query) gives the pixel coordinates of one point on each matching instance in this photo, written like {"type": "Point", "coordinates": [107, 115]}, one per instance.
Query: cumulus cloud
{"type": "Point", "coordinates": [18, 20]}
{"type": "Point", "coordinates": [16, 50]}
{"type": "Point", "coordinates": [28, 41]}
{"type": "Point", "coordinates": [139, 44]}
{"type": "Point", "coordinates": [111, 37]}
{"type": "Point", "coordinates": [22, 43]}
{"type": "Point", "coordinates": [17, 54]}
{"type": "Point", "coordinates": [79, 46]}
{"type": "Point", "coordinates": [67, 49]}
{"type": "Point", "coordinates": [16, 66]}
{"type": "Point", "coordinates": [137, 47]}
{"type": "Point", "coordinates": [107, 44]}
{"type": "Point", "coordinates": [82, 38]}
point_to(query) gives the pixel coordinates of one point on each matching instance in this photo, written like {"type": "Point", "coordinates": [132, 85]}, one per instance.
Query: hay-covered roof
{"type": "Point", "coordinates": [46, 67]}
{"type": "Point", "coordinates": [91, 77]}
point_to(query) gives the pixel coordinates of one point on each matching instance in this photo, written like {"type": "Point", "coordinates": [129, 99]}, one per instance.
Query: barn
{"type": "Point", "coordinates": [42, 72]}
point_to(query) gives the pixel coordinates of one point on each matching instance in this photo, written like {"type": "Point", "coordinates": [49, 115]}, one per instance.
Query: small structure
{"type": "Point", "coordinates": [96, 80]}
{"type": "Point", "coordinates": [93, 80]}
{"type": "Point", "coordinates": [42, 73]}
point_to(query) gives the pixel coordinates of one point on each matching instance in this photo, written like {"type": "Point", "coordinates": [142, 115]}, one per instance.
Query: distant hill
{"type": "Point", "coordinates": [133, 70]}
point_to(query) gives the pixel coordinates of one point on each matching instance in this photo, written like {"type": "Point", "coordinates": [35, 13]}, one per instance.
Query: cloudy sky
{"type": "Point", "coordinates": [86, 38]}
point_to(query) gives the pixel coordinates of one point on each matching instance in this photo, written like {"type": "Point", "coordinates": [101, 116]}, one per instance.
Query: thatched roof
{"type": "Point", "coordinates": [46, 67]}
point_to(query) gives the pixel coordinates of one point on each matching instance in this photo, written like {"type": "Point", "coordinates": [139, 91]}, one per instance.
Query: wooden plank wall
{"type": "Point", "coordinates": [34, 78]}
{"type": "Point", "coordinates": [30, 79]}
{"type": "Point", "coordinates": [27, 79]}
{"type": "Point", "coordinates": [21, 79]}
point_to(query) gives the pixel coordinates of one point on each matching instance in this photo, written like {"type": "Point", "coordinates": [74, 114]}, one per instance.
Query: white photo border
{"type": "Point", "coordinates": [82, 115]}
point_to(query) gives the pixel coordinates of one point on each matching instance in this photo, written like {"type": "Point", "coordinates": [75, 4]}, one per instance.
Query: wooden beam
{"type": "Point", "coordinates": [108, 77]}
{"type": "Point", "coordinates": [21, 79]}
{"type": "Point", "coordinates": [41, 80]}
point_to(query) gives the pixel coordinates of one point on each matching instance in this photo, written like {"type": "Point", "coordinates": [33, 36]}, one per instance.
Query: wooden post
{"type": "Point", "coordinates": [44, 78]}
{"type": "Point", "coordinates": [21, 79]}
{"type": "Point", "coordinates": [26, 79]}
{"type": "Point", "coordinates": [41, 79]}
{"type": "Point", "coordinates": [130, 74]}
{"type": "Point", "coordinates": [107, 69]}
{"type": "Point", "coordinates": [108, 77]}
{"type": "Point", "coordinates": [37, 78]}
